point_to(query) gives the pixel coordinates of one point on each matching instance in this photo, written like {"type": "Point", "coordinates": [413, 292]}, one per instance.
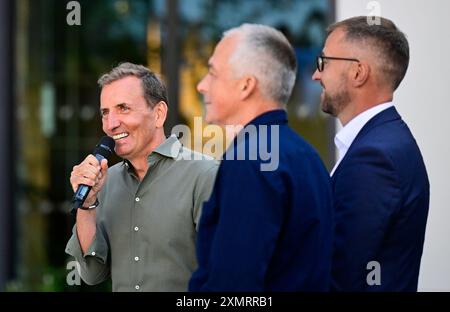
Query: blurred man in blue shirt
{"type": "Point", "coordinates": [268, 223]}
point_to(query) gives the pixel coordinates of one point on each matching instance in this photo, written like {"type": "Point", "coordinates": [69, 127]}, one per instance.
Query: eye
{"type": "Point", "coordinates": [211, 71]}
{"type": "Point", "coordinates": [104, 113]}
{"type": "Point", "coordinates": [123, 108]}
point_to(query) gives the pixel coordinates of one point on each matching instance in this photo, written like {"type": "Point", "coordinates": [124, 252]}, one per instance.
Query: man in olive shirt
{"type": "Point", "coordinates": [139, 221]}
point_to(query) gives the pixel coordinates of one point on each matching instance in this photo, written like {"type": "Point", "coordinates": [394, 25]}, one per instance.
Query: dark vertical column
{"type": "Point", "coordinates": [6, 140]}
{"type": "Point", "coordinates": [171, 62]}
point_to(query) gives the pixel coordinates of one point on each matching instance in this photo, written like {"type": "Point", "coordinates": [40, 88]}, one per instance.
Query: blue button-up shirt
{"type": "Point", "coordinates": [266, 228]}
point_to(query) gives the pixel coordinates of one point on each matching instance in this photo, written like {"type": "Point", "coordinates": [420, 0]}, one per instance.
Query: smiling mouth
{"type": "Point", "coordinates": [120, 136]}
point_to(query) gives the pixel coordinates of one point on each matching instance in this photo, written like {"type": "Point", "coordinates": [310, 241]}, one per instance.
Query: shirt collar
{"type": "Point", "coordinates": [344, 138]}
{"type": "Point", "coordinates": [276, 116]}
{"type": "Point", "coordinates": [170, 148]}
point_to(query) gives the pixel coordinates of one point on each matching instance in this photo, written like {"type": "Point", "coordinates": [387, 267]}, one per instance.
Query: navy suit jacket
{"type": "Point", "coordinates": [267, 230]}
{"type": "Point", "coordinates": [381, 195]}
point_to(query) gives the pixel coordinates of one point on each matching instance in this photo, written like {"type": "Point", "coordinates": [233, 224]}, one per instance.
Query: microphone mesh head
{"type": "Point", "coordinates": [105, 147]}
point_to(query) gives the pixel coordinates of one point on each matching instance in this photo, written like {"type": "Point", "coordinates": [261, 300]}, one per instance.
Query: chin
{"type": "Point", "coordinates": [122, 153]}
{"type": "Point", "coordinates": [209, 120]}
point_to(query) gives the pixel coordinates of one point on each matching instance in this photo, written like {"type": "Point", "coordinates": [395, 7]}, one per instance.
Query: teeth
{"type": "Point", "coordinates": [120, 136]}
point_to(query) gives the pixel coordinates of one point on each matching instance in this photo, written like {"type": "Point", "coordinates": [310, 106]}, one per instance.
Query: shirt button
{"type": "Point", "coordinates": [137, 199]}
{"type": "Point", "coordinates": [93, 253]}
{"type": "Point", "coordinates": [137, 287]}
{"type": "Point", "coordinates": [136, 258]}
{"type": "Point", "coordinates": [136, 228]}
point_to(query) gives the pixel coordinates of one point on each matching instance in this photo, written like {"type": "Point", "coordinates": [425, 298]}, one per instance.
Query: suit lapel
{"type": "Point", "coordinates": [387, 115]}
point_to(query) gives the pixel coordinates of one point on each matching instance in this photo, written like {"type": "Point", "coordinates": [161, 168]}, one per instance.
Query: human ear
{"type": "Point", "coordinates": [160, 114]}
{"type": "Point", "coordinates": [360, 74]}
{"type": "Point", "coordinates": [247, 86]}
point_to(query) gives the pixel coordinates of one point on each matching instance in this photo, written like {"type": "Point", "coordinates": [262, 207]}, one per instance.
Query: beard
{"type": "Point", "coordinates": [334, 104]}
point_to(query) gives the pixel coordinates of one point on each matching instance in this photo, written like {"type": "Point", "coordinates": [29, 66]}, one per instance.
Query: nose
{"type": "Point", "coordinates": [112, 122]}
{"type": "Point", "coordinates": [201, 86]}
{"type": "Point", "coordinates": [316, 75]}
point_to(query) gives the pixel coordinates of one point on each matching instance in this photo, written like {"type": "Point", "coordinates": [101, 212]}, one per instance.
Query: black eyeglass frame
{"type": "Point", "coordinates": [320, 63]}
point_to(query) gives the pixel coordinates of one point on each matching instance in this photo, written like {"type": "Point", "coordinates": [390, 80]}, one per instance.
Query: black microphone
{"type": "Point", "coordinates": [102, 150]}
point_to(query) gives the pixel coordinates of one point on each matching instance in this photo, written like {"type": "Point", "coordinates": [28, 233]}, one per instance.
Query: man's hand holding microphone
{"type": "Point", "coordinates": [87, 179]}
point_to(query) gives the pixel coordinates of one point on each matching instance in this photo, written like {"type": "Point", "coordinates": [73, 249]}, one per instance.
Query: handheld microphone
{"type": "Point", "coordinates": [102, 150]}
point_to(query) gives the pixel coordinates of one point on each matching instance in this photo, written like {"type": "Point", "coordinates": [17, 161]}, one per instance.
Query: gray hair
{"type": "Point", "coordinates": [153, 87]}
{"type": "Point", "coordinates": [384, 38]}
{"type": "Point", "coordinates": [265, 53]}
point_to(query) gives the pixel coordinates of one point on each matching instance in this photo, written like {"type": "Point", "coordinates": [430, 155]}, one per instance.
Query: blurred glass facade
{"type": "Point", "coordinates": [56, 98]}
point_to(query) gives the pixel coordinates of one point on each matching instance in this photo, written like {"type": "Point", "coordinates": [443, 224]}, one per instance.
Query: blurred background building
{"type": "Point", "coordinates": [50, 101]}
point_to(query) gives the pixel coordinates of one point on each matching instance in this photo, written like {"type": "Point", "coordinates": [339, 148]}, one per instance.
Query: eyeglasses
{"type": "Point", "coordinates": [320, 60]}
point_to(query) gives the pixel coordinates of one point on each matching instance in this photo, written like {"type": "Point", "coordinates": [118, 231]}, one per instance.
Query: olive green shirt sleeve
{"type": "Point", "coordinates": [94, 267]}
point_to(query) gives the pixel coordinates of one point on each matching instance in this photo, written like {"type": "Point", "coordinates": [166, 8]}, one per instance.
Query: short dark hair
{"type": "Point", "coordinates": [385, 37]}
{"type": "Point", "coordinates": [153, 87]}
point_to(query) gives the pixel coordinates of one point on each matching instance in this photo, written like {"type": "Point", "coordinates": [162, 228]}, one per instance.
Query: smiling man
{"type": "Point", "coordinates": [140, 219]}
{"type": "Point", "coordinates": [380, 183]}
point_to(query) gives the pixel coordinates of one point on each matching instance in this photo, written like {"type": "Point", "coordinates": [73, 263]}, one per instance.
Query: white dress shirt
{"type": "Point", "coordinates": [344, 138]}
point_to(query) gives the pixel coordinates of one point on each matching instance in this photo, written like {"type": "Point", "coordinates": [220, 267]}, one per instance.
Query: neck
{"type": "Point", "coordinates": [140, 163]}
{"type": "Point", "coordinates": [355, 108]}
{"type": "Point", "coordinates": [253, 110]}
{"type": "Point", "coordinates": [233, 127]}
